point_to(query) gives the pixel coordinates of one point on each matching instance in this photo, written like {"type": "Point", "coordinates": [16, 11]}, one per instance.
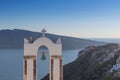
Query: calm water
{"type": "Point", "coordinates": [11, 63]}
{"type": "Point", "coordinates": [109, 40]}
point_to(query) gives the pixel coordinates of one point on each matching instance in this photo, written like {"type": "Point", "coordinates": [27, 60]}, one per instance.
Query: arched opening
{"type": "Point", "coordinates": [34, 67]}
{"type": "Point", "coordinates": [43, 62]}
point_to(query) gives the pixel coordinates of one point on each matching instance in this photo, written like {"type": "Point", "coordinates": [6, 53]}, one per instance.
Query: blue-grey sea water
{"type": "Point", "coordinates": [11, 63]}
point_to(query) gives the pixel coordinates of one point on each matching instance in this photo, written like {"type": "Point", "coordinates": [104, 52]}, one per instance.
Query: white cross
{"type": "Point", "coordinates": [43, 32]}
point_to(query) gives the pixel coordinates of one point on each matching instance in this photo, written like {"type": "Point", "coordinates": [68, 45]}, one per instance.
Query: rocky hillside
{"type": "Point", "coordinates": [93, 63]}
{"type": "Point", "coordinates": [14, 39]}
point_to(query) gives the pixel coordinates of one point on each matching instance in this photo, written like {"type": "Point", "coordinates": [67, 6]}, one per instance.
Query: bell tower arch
{"type": "Point", "coordinates": [30, 57]}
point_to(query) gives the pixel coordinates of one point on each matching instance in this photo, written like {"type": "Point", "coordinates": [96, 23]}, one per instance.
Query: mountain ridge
{"type": "Point", "coordinates": [15, 39]}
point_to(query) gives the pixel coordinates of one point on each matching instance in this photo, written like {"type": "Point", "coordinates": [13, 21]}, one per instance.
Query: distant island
{"type": "Point", "coordinates": [15, 39]}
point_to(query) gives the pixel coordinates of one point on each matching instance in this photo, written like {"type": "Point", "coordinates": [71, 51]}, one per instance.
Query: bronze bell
{"type": "Point", "coordinates": [43, 57]}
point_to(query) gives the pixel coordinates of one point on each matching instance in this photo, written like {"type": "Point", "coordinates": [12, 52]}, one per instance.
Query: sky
{"type": "Point", "coordinates": [77, 18]}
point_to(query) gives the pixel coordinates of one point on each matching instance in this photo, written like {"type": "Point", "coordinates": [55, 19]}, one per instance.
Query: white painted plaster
{"type": "Point", "coordinates": [31, 49]}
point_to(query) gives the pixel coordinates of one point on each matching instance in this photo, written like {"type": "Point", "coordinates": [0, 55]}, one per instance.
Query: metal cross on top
{"type": "Point", "coordinates": [43, 32]}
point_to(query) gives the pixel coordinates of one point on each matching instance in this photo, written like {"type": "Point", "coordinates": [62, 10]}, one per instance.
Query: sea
{"type": "Point", "coordinates": [108, 40]}
{"type": "Point", "coordinates": [11, 61]}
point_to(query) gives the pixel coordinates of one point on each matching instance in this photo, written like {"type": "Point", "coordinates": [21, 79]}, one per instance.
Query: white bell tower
{"type": "Point", "coordinates": [30, 57]}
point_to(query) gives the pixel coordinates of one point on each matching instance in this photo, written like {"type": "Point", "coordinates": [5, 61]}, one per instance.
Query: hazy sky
{"type": "Point", "coordinates": [78, 18]}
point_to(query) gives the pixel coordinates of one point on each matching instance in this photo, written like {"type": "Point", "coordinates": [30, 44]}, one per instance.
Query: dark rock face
{"type": "Point", "coordinates": [93, 63]}
{"type": "Point", "coordinates": [100, 53]}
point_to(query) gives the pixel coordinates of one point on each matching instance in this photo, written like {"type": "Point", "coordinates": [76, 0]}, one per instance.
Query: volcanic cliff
{"type": "Point", "coordinates": [93, 63]}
